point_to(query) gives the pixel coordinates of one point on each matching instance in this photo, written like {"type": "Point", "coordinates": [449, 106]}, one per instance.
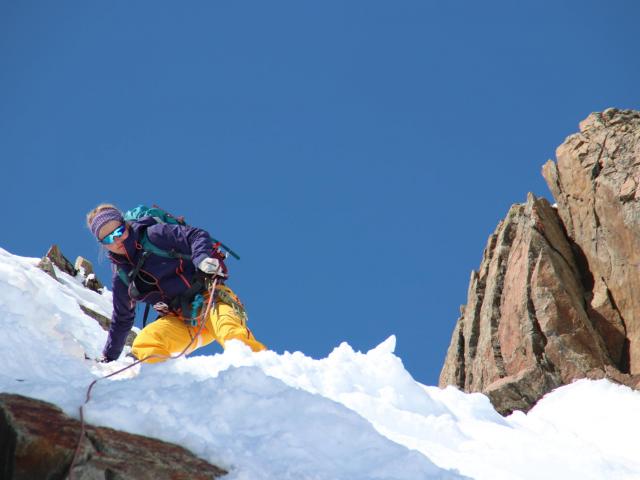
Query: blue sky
{"type": "Point", "coordinates": [356, 154]}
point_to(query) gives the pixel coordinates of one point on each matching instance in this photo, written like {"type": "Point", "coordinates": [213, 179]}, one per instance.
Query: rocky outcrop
{"type": "Point", "coordinates": [105, 323]}
{"type": "Point", "coordinates": [38, 441]}
{"type": "Point", "coordinates": [83, 270]}
{"type": "Point", "coordinates": [595, 182]}
{"type": "Point", "coordinates": [552, 300]}
{"type": "Point", "coordinates": [59, 260]}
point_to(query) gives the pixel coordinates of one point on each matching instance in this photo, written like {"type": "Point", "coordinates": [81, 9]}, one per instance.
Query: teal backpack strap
{"type": "Point", "coordinates": [147, 246]}
{"type": "Point", "coordinates": [123, 276]}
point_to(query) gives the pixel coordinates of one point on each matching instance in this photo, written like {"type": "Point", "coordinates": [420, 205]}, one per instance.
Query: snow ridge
{"type": "Point", "coordinates": [272, 415]}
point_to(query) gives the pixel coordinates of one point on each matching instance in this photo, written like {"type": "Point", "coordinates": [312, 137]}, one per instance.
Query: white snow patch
{"type": "Point", "coordinates": [351, 415]}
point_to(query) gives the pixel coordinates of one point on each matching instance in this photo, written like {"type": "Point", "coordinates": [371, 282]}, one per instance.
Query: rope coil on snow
{"type": "Point", "coordinates": [83, 432]}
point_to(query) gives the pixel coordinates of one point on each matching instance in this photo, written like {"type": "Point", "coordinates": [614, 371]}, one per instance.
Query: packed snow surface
{"type": "Point", "coordinates": [272, 415]}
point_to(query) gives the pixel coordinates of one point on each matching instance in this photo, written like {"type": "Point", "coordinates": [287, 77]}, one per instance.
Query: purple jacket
{"type": "Point", "coordinates": [167, 277]}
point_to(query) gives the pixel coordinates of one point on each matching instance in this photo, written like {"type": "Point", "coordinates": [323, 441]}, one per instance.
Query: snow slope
{"type": "Point", "coordinates": [350, 415]}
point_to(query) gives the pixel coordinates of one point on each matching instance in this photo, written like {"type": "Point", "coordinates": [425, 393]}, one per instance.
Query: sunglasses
{"type": "Point", "coordinates": [117, 233]}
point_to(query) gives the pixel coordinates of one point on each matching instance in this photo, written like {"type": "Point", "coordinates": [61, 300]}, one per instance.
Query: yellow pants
{"type": "Point", "coordinates": [170, 335]}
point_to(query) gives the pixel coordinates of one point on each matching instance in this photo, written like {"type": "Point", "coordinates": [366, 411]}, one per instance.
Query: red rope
{"type": "Point", "coordinates": [137, 362]}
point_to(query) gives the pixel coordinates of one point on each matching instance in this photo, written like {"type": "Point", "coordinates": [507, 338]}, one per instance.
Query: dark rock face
{"type": "Point", "coordinates": [46, 265]}
{"type": "Point", "coordinates": [105, 323]}
{"type": "Point", "coordinates": [38, 441]}
{"type": "Point", "coordinates": [62, 262]}
{"type": "Point", "coordinates": [84, 268]}
{"type": "Point", "coordinates": [553, 298]}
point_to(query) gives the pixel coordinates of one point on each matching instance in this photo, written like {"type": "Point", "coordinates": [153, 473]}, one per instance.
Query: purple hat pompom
{"type": "Point", "coordinates": [103, 217]}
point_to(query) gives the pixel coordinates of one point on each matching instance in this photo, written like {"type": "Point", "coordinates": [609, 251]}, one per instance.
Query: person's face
{"type": "Point", "coordinates": [118, 245]}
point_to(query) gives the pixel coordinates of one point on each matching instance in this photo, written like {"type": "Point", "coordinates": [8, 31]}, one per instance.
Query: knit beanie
{"type": "Point", "coordinates": [103, 217]}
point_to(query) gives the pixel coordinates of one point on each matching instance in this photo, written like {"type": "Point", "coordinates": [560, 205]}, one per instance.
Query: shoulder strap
{"type": "Point", "coordinates": [123, 276]}
{"type": "Point", "coordinates": [147, 246]}
{"type": "Point", "coordinates": [127, 278]}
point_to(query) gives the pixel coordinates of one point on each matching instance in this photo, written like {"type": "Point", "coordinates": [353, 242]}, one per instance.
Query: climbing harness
{"type": "Point", "coordinates": [222, 295]}
{"type": "Point", "coordinates": [226, 296]}
{"type": "Point", "coordinates": [196, 305]}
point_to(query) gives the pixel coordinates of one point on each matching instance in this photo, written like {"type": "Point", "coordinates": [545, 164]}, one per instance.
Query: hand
{"type": "Point", "coordinates": [162, 308]}
{"type": "Point", "coordinates": [211, 266]}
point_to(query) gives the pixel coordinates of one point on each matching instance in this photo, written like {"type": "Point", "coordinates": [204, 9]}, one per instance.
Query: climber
{"type": "Point", "coordinates": [167, 266]}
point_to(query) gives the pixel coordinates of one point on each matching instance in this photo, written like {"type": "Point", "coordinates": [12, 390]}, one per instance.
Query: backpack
{"type": "Point", "coordinates": [162, 216]}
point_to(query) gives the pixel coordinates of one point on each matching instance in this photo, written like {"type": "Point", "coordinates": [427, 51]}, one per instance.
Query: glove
{"type": "Point", "coordinates": [162, 308]}
{"type": "Point", "coordinates": [211, 266]}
